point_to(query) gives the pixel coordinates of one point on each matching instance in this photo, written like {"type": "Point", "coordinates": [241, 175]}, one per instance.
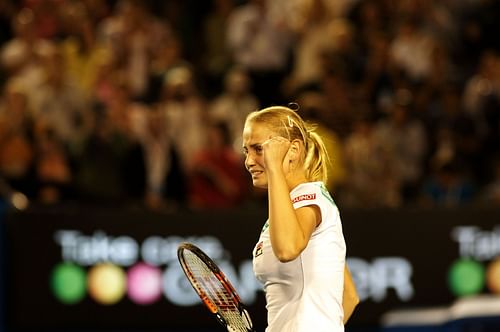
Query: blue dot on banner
{"type": "Point", "coordinates": [466, 277]}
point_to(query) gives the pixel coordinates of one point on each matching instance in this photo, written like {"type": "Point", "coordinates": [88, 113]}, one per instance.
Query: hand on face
{"type": "Point", "coordinates": [275, 150]}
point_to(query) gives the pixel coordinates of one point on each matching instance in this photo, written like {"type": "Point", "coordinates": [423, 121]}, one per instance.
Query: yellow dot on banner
{"type": "Point", "coordinates": [106, 283]}
{"type": "Point", "coordinates": [493, 276]}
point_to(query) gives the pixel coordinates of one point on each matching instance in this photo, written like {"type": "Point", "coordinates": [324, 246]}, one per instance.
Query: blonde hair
{"type": "Point", "coordinates": [287, 123]}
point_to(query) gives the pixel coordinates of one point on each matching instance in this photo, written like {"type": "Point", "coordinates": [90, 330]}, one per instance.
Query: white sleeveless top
{"type": "Point", "coordinates": [305, 294]}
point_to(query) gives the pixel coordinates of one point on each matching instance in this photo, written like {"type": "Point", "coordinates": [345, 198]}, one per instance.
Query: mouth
{"type": "Point", "coordinates": [256, 174]}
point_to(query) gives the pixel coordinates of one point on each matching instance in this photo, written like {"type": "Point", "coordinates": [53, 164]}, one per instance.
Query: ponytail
{"type": "Point", "coordinates": [317, 161]}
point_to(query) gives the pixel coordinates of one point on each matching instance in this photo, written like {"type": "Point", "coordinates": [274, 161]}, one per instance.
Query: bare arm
{"type": "Point", "coordinates": [290, 229]}
{"type": "Point", "coordinates": [350, 297]}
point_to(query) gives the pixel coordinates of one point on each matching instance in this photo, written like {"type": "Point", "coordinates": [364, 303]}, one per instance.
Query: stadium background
{"type": "Point", "coordinates": [106, 105]}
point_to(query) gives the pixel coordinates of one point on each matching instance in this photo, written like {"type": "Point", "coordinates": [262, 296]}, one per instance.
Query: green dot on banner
{"type": "Point", "coordinates": [466, 277]}
{"type": "Point", "coordinates": [68, 283]}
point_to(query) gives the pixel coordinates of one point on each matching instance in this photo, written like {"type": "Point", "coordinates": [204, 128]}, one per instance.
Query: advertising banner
{"type": "Point", "coordinates": [70, 267]}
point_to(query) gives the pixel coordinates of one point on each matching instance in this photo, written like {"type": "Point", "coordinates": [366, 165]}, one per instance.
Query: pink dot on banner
{"type": "Point", "coordinates": [144, 283]}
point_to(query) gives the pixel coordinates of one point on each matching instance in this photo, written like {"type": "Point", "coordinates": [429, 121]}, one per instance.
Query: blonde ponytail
{"type": "Point", "coordinates": [317, 160]}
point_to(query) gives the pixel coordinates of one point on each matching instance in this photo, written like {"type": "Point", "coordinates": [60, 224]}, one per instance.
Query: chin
{"type": "Point", "coordinates": [260, 184]}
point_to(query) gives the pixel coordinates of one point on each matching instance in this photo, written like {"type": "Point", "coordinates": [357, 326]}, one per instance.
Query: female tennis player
{"type": "Point", "coordinates": [300, 255]}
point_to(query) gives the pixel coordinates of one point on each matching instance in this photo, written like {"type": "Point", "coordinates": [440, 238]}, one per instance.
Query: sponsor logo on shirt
{"type": "Point", "coordinates": [258, 249]}
{"type": "Point", "coordinates": [305, 197]}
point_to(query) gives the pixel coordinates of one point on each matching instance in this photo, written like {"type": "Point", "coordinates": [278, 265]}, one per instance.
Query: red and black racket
{"type": "Point", "coordinates": [214, 289]}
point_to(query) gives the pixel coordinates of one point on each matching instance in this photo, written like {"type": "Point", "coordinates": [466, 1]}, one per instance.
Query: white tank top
{"type": "Point", "coordinates": [305, 294]}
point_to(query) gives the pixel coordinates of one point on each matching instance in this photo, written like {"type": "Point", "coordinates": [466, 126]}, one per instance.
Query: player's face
{"type": "Point", "coordinates": [254, 134]}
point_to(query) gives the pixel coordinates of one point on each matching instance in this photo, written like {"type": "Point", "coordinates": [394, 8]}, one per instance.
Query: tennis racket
{"type": "Point", "coordinates": [214, 289]}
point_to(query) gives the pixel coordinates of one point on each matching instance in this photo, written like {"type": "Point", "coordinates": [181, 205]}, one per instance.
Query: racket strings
{"type": "Point", "coordinates": [210, 286]}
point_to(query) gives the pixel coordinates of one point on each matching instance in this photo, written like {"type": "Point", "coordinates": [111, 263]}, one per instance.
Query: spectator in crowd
{"type": "Point", "coordinates": [159, 160]}
{"type": "Point", "coordinates": [17, 153]}
{"type": "Point", "coordinates": [234, 103]}
{"type": "Point", "coordinates": [218, 179]}
{"type": "Point", "coordinates": [380, 76]}
{"type": "Point", "coordinates": [448, 185]}
{"type": "Point", "coordinates": [371, 18]}
{"type": "Point", "coordinates": [20, 55]}
{"type": "Point", "coordinates": [402, 140]}
{"type": "Point", "coordinates": [309, 27]}
{"type": "Point", "coordinates": [441, 21]}
{"type": "Point", "coordinates": [483, 84]}
{"type": "Point", "coordinates": [482, 101]}
{"type": "Point", "coordinates": [342, 55]}
{"type": "Point", "coordinates": [54, 174]}
{"type": "Point", "coordinates": [370, 172]}
{"type": "Point", "coordinates": [185, 112]}
{"type": "Point", "coordinates": [411, 49]}
{"type": "Point", "coordinates": [46, 18]}
{"type": "Point", "coordinates": [218, 58]}
{"type": "Point", "coordinates": [82, 52]}
{"type": "Point", "coordinates": [260, 42]}
{"type": "Point", "coordinates": [340, 96]}
{"type": "Point", "coordinates": [456, 133]}
{"type": "Point", "coordinates": [168, 55]}
{"type": "Point", "coordinates": [477, 30]}
{"type": "Point", "coordinates": [61, 64]}
{"type": "Point", "coordinates": [490, 195]}
{"type": "Point", "coordinates": [110, 167]}
{"type": "Point", "coordinates": [134, 35]}
{"type": "Point", "coordinates": [60, 102]}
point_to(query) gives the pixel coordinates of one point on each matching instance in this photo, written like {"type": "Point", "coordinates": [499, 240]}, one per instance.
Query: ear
{"type": "Point", "coordinates": [294, 150]}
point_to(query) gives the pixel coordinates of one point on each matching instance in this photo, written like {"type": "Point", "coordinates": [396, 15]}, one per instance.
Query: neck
{"type": "Point", "coordinates": [293, 180]}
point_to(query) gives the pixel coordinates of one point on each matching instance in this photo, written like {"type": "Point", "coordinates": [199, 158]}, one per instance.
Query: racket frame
{"type": "Point", "coordinates": [224, 281]}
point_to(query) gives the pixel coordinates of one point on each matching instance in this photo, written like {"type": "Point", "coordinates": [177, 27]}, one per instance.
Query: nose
{"type": "Point", "coordinates": [249, 161]}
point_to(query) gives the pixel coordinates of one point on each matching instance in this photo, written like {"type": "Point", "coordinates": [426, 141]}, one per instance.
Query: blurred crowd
{"type": "Point", "coordinates": [143, 102]}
